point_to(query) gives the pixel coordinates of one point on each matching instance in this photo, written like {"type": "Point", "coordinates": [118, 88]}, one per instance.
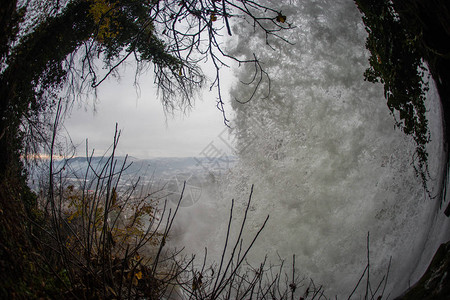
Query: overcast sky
{"type": "Point", "coordinates": [146, 131]}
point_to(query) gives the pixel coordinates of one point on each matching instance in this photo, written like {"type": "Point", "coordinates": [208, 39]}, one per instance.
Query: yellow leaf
{"type": "Point", "coordinates": [138, 275]}
{"type": "Point", "coordinates": [280, 18]}
{"type": "Point", "coordinates": [213, 17]}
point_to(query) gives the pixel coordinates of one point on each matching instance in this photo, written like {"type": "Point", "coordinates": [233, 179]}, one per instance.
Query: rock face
{"type": "Point", "coordinates": [435, 283]}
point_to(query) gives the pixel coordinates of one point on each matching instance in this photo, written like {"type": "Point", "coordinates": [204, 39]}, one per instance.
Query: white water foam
{"type": "Point", "coordinates": [325, 159]}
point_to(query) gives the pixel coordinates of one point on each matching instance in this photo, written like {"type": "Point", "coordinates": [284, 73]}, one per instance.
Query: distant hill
{"type": "Point", "coordinates": [169, 172]}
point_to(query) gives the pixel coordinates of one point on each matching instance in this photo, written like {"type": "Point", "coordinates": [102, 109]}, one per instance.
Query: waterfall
{"type": "Point", "coordinates": [325, 158]}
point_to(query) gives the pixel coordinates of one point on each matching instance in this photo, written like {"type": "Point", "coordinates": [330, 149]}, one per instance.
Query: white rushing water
{"type": "Point", "coordinates": [325, 159]}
